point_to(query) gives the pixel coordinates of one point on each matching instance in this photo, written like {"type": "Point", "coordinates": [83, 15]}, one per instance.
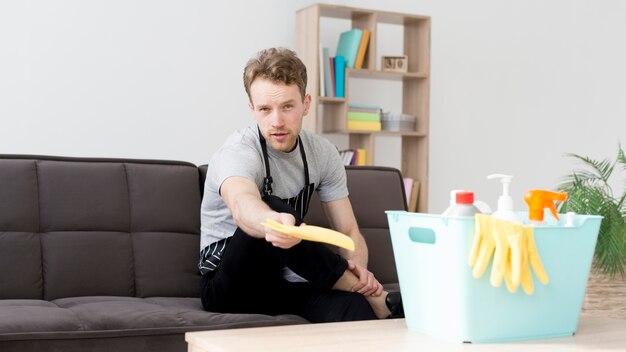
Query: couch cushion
{"type": "Point", "coordinates": [81, 196]}
{"type": "Point", "coordinates": [81, 263]}
{"type": "Point", "coordinates": [19, 202]}
{"type": "Point", "coordinates": [20, 265]}
{"type": "Point", "coordinates": [91, 317]}
{"type": "Point", "coordinates": [20, 253]}
{"type": "Point", "coordinates": [373, 190]}
{"type": "Point", "coordinates": [34, 316]}
{"type": "Point", "coordinates": [172, 314]}
{"type": "Point", "coordinates": [166, 264]}
{"type": "Point", "coordinates": [164, 198]}
{"type": "Point", "coordinates": [165, 227]}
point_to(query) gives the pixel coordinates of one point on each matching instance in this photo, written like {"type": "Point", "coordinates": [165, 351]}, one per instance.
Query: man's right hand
{"type": "Point", "coordinates": [278, 239]}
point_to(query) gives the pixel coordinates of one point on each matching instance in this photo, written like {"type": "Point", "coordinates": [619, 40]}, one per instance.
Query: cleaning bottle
{"type": "Point", "coordinates": [538, 200]}
{"type": "Point", "coordinates": [570, 217]}
{"type": "Point", "coordinates": [482, 206]}
{"type": "Point", "coordinates": [452, 201]}
{"type": "Point", "coordinates": [464, 205]}
{"type": "Point", "coordinates": [505, 202]}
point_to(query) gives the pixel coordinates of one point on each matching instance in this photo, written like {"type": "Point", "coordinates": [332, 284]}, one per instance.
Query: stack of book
{"type": "Point", "coordinates": [364, 117]}
{"type": "Point", "coordinates": [350, 53]}
{"type": "Point", "coordinates": [411, 189]}
{"type": "Point", "coordinates": [353, 156]}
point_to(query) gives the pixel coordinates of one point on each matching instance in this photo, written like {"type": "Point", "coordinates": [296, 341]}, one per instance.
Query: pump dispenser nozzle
{"type": "Point", "coordinates": [505, 202]}
{"type": "Point", "coordinates": [538, 200]}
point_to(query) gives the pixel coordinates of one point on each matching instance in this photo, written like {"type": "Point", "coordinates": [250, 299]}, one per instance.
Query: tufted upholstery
{"type": "Point", "coordinates": [101, 254]}
{"type": "Point", "coordinates": [119, 228]}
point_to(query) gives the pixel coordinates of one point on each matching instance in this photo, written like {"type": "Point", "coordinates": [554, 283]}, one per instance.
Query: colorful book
{"type": "Point", "coordinates": [364, 125]}
{"type": "Point", "coordinates": [364, 106]}
{"type": "Point", "coordinates": [331, 63]}
{"type": "Point", "coordinates": [371, 111]}
{"type": "Point", "coordinates": [348, 45]}
{"type": "Point", "coordinates": [414, 196]}
{"type": "Point", "coordinates": [361, 157]}
{"type": "Point", "coordinates": [322, 75]}
{"type": "Point", "coordinates": [408, 189]}
{"type": "Point", "coordinates": [347, 156]}
{"type": "Point", "coordinates": [363, 116]}
{"type": "Point", "coordinates": [328, 81]}
{"type": "Point", "coordinates": [360, 56]}
{"type": "Point", "coordinates": [340, 74]}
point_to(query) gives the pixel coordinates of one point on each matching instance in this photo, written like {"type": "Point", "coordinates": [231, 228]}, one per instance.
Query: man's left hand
{"type": "Point", "coordinates": [367, 285]}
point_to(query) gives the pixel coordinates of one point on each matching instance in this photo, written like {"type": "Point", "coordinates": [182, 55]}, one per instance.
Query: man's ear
{"type": "Point", "coordinates": [307, 104]}
{"type": "Point", "coordinates": [250, 105]}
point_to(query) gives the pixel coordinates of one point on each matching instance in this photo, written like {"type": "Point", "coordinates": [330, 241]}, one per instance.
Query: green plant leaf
{"type": "Point", "coordinates": [611, 244]}
{"type": "Point", "coordinates": [600, 170]}
{"type": "Point", "coordinates": [621, 158]}
{"type": "Point", "coordinates": [589, 192]}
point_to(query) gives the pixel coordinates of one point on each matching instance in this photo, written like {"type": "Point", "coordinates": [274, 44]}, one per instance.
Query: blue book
{"type": "Point", "coordinates": [348, 45]}
{"type": "Point", "coordinates": [340, 76]}
{"type": "Point", "coordinates": [364, 106]}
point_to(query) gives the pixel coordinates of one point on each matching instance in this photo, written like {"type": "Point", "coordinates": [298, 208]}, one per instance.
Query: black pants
{"type": "Point", "coordinates": [250, 280]}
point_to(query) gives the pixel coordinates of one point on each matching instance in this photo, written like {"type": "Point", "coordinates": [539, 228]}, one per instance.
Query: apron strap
{"type": "Point", "coordinates": [267, 181]}
{"type": "Point", "coordinates": [306, 165]}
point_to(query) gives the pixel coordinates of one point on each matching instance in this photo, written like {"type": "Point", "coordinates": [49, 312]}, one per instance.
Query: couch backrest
{"type": "Point", "coordinates": [372, 190]}
{"type": "Point", "coordinates": [119, 227]}
{"type": "Point", "coordinates": [85, 227]}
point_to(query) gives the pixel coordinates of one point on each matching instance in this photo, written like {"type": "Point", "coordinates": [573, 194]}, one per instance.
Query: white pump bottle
{"type": "Point", "coordinates": [505, 202]}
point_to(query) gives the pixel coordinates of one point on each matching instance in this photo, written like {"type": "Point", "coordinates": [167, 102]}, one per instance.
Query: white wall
{"type": "Point", "coordinates": [515, 85]}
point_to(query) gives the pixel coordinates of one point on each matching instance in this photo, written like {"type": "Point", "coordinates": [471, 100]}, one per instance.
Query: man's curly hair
{"type": "Point", "coordinates": [279, 65]}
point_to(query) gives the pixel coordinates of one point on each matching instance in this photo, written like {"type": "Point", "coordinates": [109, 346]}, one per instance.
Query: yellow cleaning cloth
{"type": "Point", "coordinates": [312, 233]}
{"type": "Point", "coordinates": [514, 253]}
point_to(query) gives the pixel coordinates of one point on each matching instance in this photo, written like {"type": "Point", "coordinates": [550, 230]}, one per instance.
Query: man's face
{"type": "Point", "coordinates": [278, 110]}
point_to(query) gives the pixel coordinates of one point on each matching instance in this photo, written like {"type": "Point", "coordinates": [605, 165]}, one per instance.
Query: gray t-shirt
{"type": "Point", "coordinates": [241, 155]}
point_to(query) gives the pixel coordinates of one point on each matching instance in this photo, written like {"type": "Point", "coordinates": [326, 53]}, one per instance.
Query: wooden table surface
{"type": "Point", "coordinates": [593, 334]}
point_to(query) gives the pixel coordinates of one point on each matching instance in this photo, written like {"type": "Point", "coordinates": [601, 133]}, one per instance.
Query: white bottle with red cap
{"type": "Point", "coordinates": [464, 205]}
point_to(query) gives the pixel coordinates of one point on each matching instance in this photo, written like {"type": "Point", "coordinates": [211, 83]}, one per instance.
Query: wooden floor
{"type": "Point", "coordinates": [605, 297]}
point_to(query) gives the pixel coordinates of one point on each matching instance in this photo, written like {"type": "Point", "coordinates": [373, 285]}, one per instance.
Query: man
{"type": "Point", "coordinates": [269, 171]}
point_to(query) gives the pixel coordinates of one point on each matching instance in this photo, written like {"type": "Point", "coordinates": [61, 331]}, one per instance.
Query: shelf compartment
{"type": "Point", "coordinates": [376, 74]}
{"type": "Point", "coordinates": [331, 100]}
{"type": "Point", "coordinates": [382, 133]}
{"type": "Point", "coordinates": [345, 12]}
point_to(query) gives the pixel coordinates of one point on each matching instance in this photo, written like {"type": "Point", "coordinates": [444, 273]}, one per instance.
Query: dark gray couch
{"type": "Point", "coordinates": [101, 254]}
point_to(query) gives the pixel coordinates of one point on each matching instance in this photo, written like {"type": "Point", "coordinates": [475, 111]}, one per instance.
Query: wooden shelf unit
{"type": "Point", "coordinates": [415, 83]}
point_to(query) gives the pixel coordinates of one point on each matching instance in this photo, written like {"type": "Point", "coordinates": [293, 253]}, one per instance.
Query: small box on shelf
{"type": "Point", "coordinates": [394, 63]}
{"type": "Point", "coordinates": [397, 122]}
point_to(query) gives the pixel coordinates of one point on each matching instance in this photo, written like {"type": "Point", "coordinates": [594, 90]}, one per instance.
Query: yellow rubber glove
{"type": "Point", "coordinates": [509, 251]}
{"type": "Point", "coordinates": [312, 233]}
{"type": "Point", "coordinates": [534, 258]}
{"type": "Point", "coordinates": [508, 276]}
{"type": "Point", "coordinates": [483, 245]}
{"type": "Point", "coordinates": [514, 254]}
{"type": "Point", "coordinates": [529, 259]}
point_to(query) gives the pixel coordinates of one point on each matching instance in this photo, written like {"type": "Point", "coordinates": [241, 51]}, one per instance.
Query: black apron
{"type": "Point", "coordinates": [300, 203]}
{"type": "Point", "coordinates": [211, 256]}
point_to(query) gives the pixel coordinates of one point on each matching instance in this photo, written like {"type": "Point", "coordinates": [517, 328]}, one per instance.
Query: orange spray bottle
{"type": "Point", "coordinates": [538, 200]}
